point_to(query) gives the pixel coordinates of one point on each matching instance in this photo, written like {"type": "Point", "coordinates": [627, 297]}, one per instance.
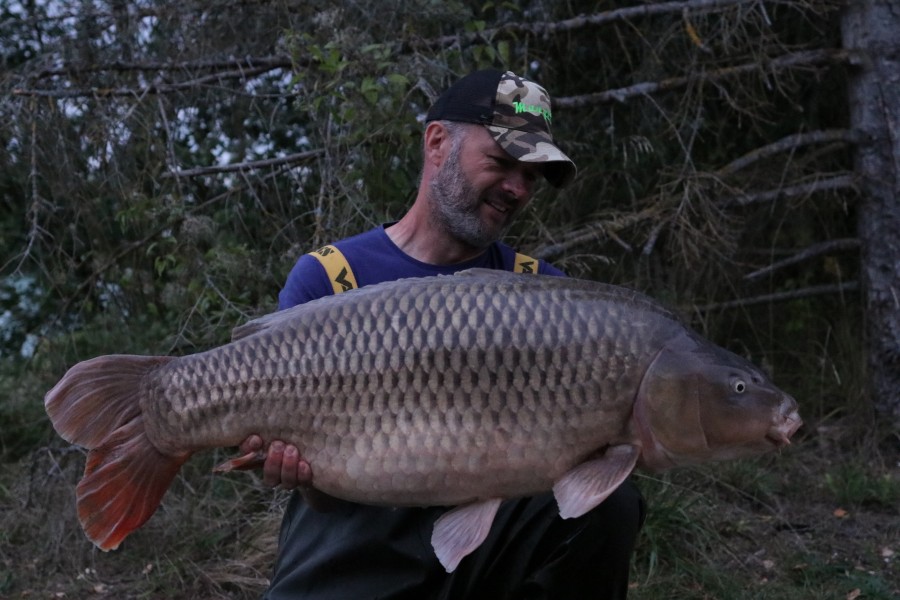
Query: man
{"type": "Point", "coordinates": [487, 142]}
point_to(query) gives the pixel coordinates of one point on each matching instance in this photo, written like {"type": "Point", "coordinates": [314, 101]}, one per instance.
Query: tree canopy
{"type": "Point", "coordinates": [164, 163]}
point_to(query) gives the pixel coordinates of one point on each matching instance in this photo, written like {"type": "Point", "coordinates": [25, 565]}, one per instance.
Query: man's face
{"type": "Point", "coordinates": [479, 188]}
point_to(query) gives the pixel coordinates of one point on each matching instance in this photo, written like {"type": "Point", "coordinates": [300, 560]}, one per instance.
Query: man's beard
{"type": "Point", "coordinates": [456, 206]}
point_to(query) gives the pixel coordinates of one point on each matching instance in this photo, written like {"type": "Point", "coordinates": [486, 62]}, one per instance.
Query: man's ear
{"type": "Point", "coordinates": [437, 143]}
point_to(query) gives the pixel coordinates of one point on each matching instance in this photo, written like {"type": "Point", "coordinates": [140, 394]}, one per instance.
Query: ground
{"type": "Point", "coordinates": [819, 520]}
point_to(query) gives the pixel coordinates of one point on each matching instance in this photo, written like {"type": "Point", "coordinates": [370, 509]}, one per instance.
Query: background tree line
{"type": "Point", "coordinates": [163, 164]}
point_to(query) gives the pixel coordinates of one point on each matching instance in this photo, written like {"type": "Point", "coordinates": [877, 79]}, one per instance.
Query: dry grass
{"type": "Point", "coordinates": [778, 527]}
{"type": "Point", "coordinates": [819, 521]}
{"type": "Point", "coordinates": [213, 537]}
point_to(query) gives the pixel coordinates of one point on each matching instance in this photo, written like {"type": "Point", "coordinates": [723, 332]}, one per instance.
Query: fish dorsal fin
{"type": "Point", "coordinates": [589, 483]}
{"type": "Point", "coordinates": [485, 272]}
{"type": "Point", "coordinates": [274, 319]}
{"type": "Point", "coordinates": [459, 532]}
{"type": "Point", "coordinates": [255, 326]}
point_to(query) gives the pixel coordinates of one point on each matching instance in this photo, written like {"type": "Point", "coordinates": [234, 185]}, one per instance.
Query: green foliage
{"type": "Point", "coordinates": [852, 484]}
{"type": "Point", "coordinates": [23, 422]}
{"type": "Point", "coordinates": [753, 530]}
{"type": "Point", "coordinates": [840, 580]}
{"type": "Point", "coordinates": [671, 525]}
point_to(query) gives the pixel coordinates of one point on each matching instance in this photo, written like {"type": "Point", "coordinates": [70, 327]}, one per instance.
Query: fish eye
{"type": "Point", "coordinates": [739, 386]}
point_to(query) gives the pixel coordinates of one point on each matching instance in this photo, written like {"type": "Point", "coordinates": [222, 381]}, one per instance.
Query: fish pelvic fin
{"type": "Point", "coordinates": [591, 482]}
{"type": "Point", "coordinates": [97, 405]}
{"type": "Point", "coordinates": [124, 481]}
{"type": "Point", "coordinates": [459, 532]}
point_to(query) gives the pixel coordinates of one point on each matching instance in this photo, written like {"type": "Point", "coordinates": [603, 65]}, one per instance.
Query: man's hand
{"type": "Point", "coordinates": [283, 465]}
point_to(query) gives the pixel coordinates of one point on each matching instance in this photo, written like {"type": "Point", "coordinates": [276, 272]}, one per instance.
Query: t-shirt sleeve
{"type": "Point", "coordinates": [545, 268]}
{"type": "Point", "coordinates": [306, 281]}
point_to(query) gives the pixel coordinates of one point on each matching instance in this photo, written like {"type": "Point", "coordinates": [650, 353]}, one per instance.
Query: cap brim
{"type": "Point", "coordinates": [536, 147]}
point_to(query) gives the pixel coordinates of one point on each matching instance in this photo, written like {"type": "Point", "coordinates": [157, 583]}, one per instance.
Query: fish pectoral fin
{"type": "Point", "coordinates": [460, 531]}
{"type": "Point", "coordinates": [589, 483]}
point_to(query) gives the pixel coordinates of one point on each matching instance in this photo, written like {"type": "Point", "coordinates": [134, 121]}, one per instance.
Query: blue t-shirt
{"type": "Point", "coordinates": [374, 258]}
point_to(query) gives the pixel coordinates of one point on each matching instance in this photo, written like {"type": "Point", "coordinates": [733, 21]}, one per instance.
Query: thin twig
{"type": "Point", "coordinates": [34, 211]}
{"type": "Point", "coordinates": [273, 61]}
{"type": "Point", "coordinates": [790, 142]}
{"type": "Point", "coordinates": [787, 61]}
{"type": "Point", "coordinates": [828, 184]}
{"type": "Point", "coordinates": [247, 166]}
{"type": "Point", "coordinates": [579, 22]}
{"type": "Point", "coordinates": [813, 251]}
{"type": "Point", "coordinates": [815, 290]}
{"type": "Point", "coordinates": [153, 88]}
{"type": "Point", "coordinates": [595, 231]}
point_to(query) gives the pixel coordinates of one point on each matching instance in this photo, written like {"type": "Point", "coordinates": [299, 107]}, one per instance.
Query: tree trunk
{"type": "Point", "coordinates": [870, 30]}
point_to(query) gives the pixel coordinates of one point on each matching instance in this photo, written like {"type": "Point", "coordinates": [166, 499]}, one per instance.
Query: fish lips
{"type": "Point", "coordinates": [780, 434]}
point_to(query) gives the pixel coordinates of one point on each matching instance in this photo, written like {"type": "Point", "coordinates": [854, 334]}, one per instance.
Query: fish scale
{"type": "Point", "coordinates": [449, 390]}
{"type": "Point", "coordinates": [392, 390]}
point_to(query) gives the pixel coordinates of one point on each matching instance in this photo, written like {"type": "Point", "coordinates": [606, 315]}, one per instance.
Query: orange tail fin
{"type": "Point", "coordinates": [96, 405]}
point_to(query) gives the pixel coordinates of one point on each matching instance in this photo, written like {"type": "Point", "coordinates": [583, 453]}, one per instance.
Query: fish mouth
{"type": "Point", "coordinates": [780, 435]}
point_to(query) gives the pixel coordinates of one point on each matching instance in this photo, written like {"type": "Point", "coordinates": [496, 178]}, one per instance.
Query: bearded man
{"type": "Point", "coordinates": [487, 143]}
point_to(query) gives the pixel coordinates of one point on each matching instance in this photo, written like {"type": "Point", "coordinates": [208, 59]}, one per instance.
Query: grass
{"type": "Point", "coordinates": [819, 521]}
{"type": "Point", "coordinates": [214, 537]}
{"type": "Point", "coordinates": [852, 485]}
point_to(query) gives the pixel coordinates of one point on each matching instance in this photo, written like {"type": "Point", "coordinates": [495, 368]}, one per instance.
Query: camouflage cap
{"type": "Point", "coordinates": [517, 113]}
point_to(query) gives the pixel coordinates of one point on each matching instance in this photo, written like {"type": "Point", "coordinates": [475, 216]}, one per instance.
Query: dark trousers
{"type": "Point", "coordinates": [364, 552]}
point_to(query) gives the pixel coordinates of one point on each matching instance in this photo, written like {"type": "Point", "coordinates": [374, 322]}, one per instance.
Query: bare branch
{"type": "Point", "coordinates": [808, 253]}
{"type": "Point", "coordinates": [580, 22]}
{"type": "Point", "coordinates": [140, 12]}
{"type": "Point", "coordinates": [153, 88]}
{"type": "Point", "coordinates": [787, 61]}
{"type": "Point", "coordinates": [598, 230]}
{"type": "Point", "coordinates": [274, 62]}
{"type": "Point", "coordinates": [815, 290]}
{"type": "Point", "coordinates": [250, 165]}
{"type": "Point", "coordinates": [790, 142]}
{"type": "Point", "coordinates": [828, 184]}
{"type": "Point", "coordinates": [603, 229]}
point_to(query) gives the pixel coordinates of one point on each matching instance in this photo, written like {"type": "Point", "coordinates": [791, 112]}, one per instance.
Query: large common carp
{"type": "Point", "coordinates": [452, 390]}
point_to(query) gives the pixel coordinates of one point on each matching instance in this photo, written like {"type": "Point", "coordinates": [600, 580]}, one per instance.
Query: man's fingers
{"type": "Point", "coordinates": [289, 468]}
{"type": "Point", "coordinates": [295, 472]}
{"type": "Point", "coordinates": [283, 464]}
{"type": "Point", "coordinates": [304, 473]}
{"type": "Point", "coordinates": [272, 466]}
{"type": "Point", "coordinates": [252, 444]}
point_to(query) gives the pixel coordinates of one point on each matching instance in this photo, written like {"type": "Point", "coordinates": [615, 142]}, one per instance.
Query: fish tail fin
{"type": "Point", "coordinates": [97, 405]}
{"type": "Point", "coordinates": [124, 481]}
{"type": "Point", "coordinates": [97, 396]}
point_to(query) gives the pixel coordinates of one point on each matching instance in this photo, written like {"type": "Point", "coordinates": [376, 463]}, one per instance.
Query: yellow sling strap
{"type": "Point", "coordinates": [336, 266]}
{"type": "Point", "coordinates": [525, 264]}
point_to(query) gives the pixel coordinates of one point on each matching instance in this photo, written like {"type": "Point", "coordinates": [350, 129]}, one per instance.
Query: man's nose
{"type": "Point", "coordinates": [518, 184]}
